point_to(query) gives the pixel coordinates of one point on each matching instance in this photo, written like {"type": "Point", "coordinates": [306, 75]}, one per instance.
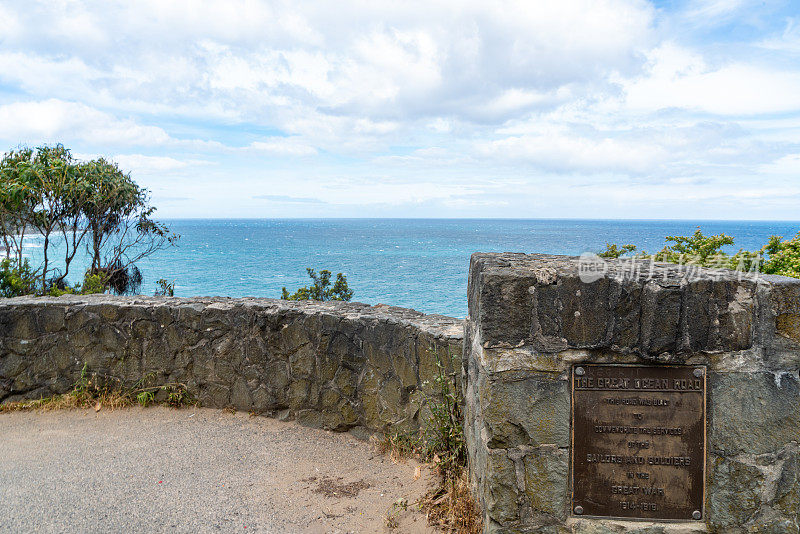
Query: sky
{"type": "Point", "coordinates": [532, 109]}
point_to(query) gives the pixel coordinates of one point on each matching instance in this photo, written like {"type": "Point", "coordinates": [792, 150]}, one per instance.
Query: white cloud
{"type": "Point", "coordinates": [284, 146]}
{"type": "Point", "coordinates": [418, 99]}
{"type": "Point", "coordinates": [139, 163]}
{"type": "Point", "coordinates": [55, 120]}
{"type": "Point", "coordinates": [9, 23]}
{"type": "Point", "coordinates": [38, 74]}
{"type": "Point", "coordinates": [681, 79]}
{"type": "Point", "coordinates": [566, 153]}
{"type": "Point", "coordinates": [708, 12]}
{"type": "Point", "coordinates": [424, 156]}
{"type": "Point", "coordinates": [787, 41]}
{"type": "Point", "coordinates": [786, 165]}
{"type": "Point", "coordinates": [365, 60]}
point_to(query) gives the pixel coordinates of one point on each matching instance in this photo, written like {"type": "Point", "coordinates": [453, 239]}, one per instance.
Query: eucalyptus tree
{"type": "Point", "coordinates": [15, 197]}
{"type": "Point", "coordinates": [41, 195]}
{"type": "Point", "coordinates": [120, 220]}
{"type": "Point", "coordinates": [79, 206]}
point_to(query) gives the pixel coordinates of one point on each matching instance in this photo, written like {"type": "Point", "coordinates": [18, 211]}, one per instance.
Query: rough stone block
{"type": "Point", "coordinates": [754, 413]}
{"type": "Point", "coordinates": [502, 494]}
{"type": "Point", "coordinates": [546, 483]}
{"type": "Point", "coordinates": [525, 409]}
{"type": "Point", "coordinates": [737, 492]}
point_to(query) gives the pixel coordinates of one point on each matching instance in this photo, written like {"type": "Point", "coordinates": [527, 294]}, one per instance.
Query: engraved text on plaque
{"type": "Point", "coordinates": [638, 441]}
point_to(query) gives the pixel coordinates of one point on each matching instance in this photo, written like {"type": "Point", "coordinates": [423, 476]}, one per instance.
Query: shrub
{"type": "Point", "coordinates": [15, 279]}
{"type": "Point", "coordinates": [783, 257]}
{"type": "Point", "coordinates": [165, 289]}
{"type": "Point", "coordinates": [449, 504]}
{"type": "Point", "coordinates": [614, 251]}
{"type": "Point", "coordinates": [320, 289]}
{"type": "Point", "coordinates": [697, 249]}
{"type": "Point", "coordinates": [776, 257]}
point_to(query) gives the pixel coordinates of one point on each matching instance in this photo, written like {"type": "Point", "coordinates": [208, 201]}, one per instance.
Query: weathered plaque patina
{"type": "Point", "coordinates": [638, 441]}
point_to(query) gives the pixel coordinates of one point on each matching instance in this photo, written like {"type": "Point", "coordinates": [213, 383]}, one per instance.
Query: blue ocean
{"type": "Point", "coordinates": [414, 263]}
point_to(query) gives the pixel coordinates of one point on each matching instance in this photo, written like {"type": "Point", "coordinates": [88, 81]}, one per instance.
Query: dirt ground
{"type": "Point", "coordinates": [196, 470]}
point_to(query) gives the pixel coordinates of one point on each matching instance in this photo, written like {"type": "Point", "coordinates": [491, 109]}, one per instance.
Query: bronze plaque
{"type": "Point", "coordinates": [638, 441]}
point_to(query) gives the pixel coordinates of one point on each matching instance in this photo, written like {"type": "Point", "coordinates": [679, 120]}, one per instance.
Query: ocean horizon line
{"type": "Point", "coordinates": [521, 219]}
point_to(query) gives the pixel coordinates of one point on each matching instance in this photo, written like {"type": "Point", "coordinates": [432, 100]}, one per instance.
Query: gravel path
{"type": "Point", "coordinates": [193, 470]}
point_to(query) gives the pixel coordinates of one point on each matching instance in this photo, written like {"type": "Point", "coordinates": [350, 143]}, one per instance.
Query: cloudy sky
{"type": "Point", "coordinates": [534, 108]}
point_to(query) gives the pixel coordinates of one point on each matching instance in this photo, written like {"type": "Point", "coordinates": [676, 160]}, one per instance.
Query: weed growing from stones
{"type": "Point", "coordinates": [93, 390]}
{"type": "Point", "coordinates": [145, 398]}
{"type": "Point", "coordinates": [450, 504]}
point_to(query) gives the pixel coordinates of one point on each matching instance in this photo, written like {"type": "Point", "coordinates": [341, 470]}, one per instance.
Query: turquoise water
{"type": "Point", "coordinates": [420, 264]}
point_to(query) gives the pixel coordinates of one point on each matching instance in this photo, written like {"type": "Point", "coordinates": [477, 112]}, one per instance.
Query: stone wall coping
{"type": "Point", "coordinates": [549, 266]}
{"type": "Point", "coordinates": [547, 305]}
{"type": "Point", "coordinates": [435, 325]}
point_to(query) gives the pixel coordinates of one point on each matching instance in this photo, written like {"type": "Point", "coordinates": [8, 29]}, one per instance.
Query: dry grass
{"type": "Point", "coordinates": [69, 401]}
{"type": "Point", "coordinates": [398, 447]}
{"type": "Point", "coordinates": [451, 506]}
{"type": "Point", "coordinates": [391, 521]}
{"type": "Point", "coordinates": [95, 391]}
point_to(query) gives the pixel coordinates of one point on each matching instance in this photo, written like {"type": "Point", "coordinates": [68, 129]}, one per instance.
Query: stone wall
{"type": "Point", "coordinates": [531, 318]}
{"type": "Point", "coordinates": [334, 365]}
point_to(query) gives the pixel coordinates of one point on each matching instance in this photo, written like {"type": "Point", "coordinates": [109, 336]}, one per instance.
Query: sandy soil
{"type": "Point", "coordinates": [194, 470]}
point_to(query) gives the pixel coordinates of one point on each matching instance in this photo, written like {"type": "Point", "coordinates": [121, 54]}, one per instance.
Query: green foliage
{"type": "Point", "coordinates": [783, 257]}
{"type": "Point", "coordinates": [165, 288]}
{"type": "Point", "coordinates": [121, 279]}
{"type": "Point", "coordinates": [98, 390]}
{"type": "Point", "coordinates": [94, 283]}
{"type": "Point", "coordinates": [177, 396]}
{"type": "Point", "coordinates": [56, 291]}
{"type": "Point", "coordinates": [91, 206]}
{"type": "Point", "coordinates": [776, 257]}
{"type": "Point", "coordinates": [119, 218]}
{"type": "Point", "coordinates": [697, 249]}
{"type": "Point", "coordinates": [614, 251]}
{"type": "Point", "coordinates": [744, 260]}
{"type": "Point", "coordinates": [16, 280]}
{"type": "Point", "coordinates": [145, 398]}
{"type": "Point", "coordinates": [41, 192]}
{"type": "Point", "coordinates": [443, 434]}
{"type": "Point", "coordinates": [320, 289]}
{"type": "Point", "coordinates": [449, 504]}
{"type": "Point", "coordinates": [441, 439]}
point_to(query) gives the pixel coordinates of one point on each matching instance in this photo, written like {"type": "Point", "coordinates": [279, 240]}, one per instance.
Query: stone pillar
{"type": "Point", "coordinates": [533, 318]}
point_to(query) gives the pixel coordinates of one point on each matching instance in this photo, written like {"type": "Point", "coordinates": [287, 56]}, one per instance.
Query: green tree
{"type": "Point", "coordinates": [776, 257]}
{"type": "Point", "coordinates": [46, 191]}
{"type": "Point", "coordinates": [614, 251]}
{"type": "Point", "coordinates": [165, 288]}
{"type": "Point", "coordinates": [41, 193]}
{"type": "Point", "coordinates": [15, 198]}
{"type": "Point", "coordinates": [121, 224]}
{"type": "Point", "coordinates": [113, 196]}
{"type": "Point", "coordinates": [321, 288]}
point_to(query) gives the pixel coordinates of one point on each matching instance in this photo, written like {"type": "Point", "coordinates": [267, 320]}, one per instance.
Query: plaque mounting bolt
{"type": "Point", "coordinates": [698, 373]}
{"type": "Point", "coordinates": [696, 514]}
{"type": "Point", "coordinates": [579, 372]}
{"type": "Point", "coordinates": [579, 510]}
